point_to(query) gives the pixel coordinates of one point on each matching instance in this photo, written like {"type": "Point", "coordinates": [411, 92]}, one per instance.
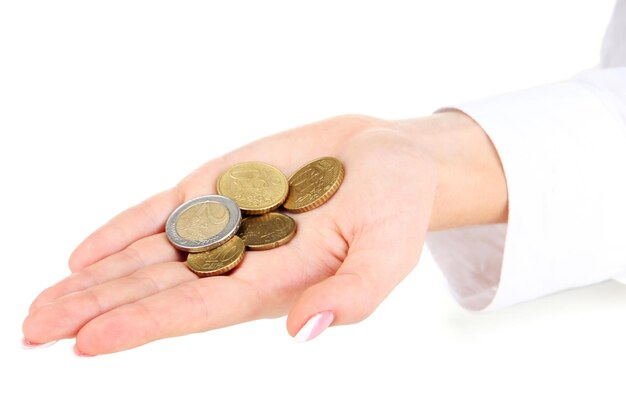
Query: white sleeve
{"type": "Point", "coordinates": [563, 151]}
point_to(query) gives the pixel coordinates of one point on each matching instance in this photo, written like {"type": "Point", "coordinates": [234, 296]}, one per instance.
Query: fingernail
{"type": "Point", "coordinates": [28, 345]}
{"type": "Point", "coordinates": [315, 326]}
{"type": "Point", "coordinates": [79, 353]}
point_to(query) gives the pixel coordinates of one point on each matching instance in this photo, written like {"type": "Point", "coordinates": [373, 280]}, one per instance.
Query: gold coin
{"type": "Point", "coordinates": [267, 231]}
{"type": "Point", "coordinates": [257, 187]}
{"type": "Point", "coordinates": [202, 221]}
{"type": "Point", "coordinates": [314, 184]}
{"type": "Point", "coordinates": [219, 260]}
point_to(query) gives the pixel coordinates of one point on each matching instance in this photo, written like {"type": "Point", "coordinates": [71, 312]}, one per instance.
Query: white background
{"type": "Point", "coordinates": [104, 103]}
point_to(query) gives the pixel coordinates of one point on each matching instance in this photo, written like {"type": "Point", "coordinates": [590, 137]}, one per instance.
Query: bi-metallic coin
{"type": "Point", "coordinates": [203, 223]}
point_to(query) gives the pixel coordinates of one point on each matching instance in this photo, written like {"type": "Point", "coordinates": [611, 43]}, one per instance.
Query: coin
{"type": "Point", "coordinates": [257, 187]}
{"type": "Point", "coordinates": [203, 223]}
{"type": "Point", "coordinates": [218, 260]}
{"type": "Point", "coordinates": [264, 232]}
{"type": "Point", "coordinates": [314, 184]}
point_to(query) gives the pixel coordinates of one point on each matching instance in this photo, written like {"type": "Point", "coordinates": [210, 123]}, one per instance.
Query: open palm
{"type": "Point", "coordinates": [130, 286]}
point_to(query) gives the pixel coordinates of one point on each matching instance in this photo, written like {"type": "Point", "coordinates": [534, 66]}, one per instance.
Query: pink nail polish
{"type": "Point", "coordinates": [79, 353]}
{"type": "Point", "coordinates": [315, 326]}
{"type": "Point", "coordinates": [28, 345]}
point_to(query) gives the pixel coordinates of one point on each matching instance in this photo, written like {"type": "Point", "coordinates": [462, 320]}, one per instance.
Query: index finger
{"type": "Point", "coordinates": [142, 220]}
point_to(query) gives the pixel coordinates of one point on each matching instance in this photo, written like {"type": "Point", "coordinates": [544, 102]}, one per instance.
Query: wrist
{"type": "Point", "coordinates": [471, 186]}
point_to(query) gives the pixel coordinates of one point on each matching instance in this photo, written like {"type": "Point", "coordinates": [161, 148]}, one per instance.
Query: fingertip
{"type": "Point", "coordinates": [120, 329]}
{"type": "Point", "coordinates": [73, 264]}
{"type": "Point", "coordinates": [80, 353]}
{"type": "Point", "coordinates": [36, 329]}
{"type": "Point", "coordinates": [95, 337]}
{"type": "Point", "coordinates": [95, 247]}
{"type": "Point", "coordinates": [29, 332]}
{"type": "Point", "coordinates": [77, 260]}
{"type": "Point", "coordinates": [50, 322]}
{"type": "Point", "coordinates": [29, 345]}
{"type": "Point", "coordinates": [348, 298]}
{"type": "Point", "coordinates": [315, 326]}
{"type": "Point", "coordinates": [306, 307]}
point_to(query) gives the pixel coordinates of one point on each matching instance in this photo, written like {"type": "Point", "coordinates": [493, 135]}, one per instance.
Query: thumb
{"type": "Point", "coordinates": [378, 258]}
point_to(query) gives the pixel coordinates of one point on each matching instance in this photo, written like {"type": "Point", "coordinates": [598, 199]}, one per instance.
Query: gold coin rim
{"type": "Point", "coordinates": [224, 269]}
{"type": "Point", "coordinates": [326, 196]}
{"type": "Point", "coordinates": [257, 211]}
{"type": "Point", "coordinates": [273, 244]}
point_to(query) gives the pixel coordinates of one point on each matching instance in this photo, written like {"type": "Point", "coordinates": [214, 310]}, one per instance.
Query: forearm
{"type": "Point", "coordinates": [471, 186]}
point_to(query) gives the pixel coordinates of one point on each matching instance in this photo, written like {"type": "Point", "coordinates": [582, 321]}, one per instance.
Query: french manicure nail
{"type": "Point", "coordinates": [28, 345]}
{"type": "Point", "coordinates": [79, 353]}
{"type": "Point", "coordinates": [315, 326]}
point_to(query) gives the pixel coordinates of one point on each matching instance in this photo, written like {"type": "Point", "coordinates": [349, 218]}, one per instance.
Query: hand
{"type": "Point", "coordinates": [129, 286]}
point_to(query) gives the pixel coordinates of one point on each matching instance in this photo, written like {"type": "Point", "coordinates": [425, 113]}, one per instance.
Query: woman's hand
{"type": "Point", "coordinates": [130, 286]}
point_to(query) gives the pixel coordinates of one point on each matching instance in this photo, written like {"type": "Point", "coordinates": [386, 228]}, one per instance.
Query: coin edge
{"type": "Point", "coordinates": [324, 198]}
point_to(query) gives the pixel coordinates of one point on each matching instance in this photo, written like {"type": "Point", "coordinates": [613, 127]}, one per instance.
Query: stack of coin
{"type": "Point", "coordinates": [217, 229]}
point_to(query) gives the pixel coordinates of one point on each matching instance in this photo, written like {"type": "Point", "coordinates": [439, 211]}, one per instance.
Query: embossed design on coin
{"type": "Point", "coordinates": [314, 184]}
{"type": "Point", "coordinates": [203, 223]}
{"type": "Point", "coordinates": [267, 231]}
{"type": "Point", "coordinates": [219, 260]}
{"type": "Point", "coordinates": [257, 187]}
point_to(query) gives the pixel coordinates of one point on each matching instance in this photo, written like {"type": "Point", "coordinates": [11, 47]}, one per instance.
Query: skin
{"type": "Point", "coordinates": [128, 286]}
